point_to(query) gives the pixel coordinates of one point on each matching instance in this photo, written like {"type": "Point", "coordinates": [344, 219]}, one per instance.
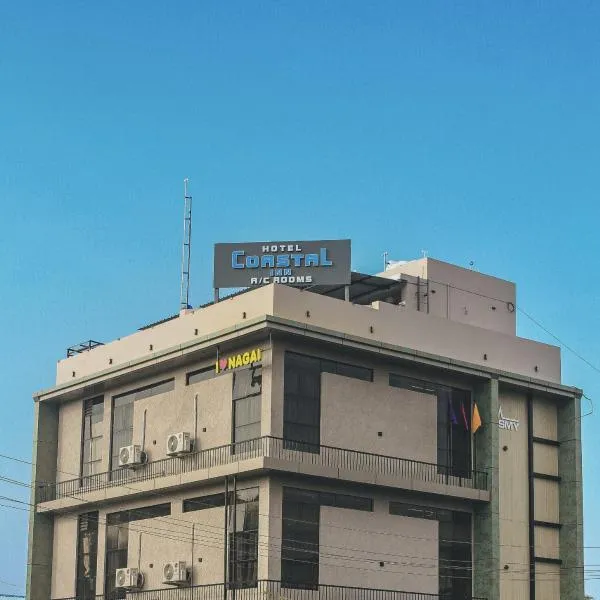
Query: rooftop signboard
{"type": "Point", "coordinates": [321, 262]}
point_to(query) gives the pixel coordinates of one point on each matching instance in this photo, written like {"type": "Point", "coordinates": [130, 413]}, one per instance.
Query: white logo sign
{"type": "Point", "coordinates": [506, 423]}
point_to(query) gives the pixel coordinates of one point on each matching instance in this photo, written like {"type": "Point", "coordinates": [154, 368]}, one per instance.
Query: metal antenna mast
{"type": "Point", "coordinates": [184, 298]}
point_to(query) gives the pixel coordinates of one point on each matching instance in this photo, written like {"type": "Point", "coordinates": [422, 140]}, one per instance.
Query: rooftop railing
{"type": "Point", "coordinates": [267, 447]}
{"type": "Point", "coordinates": [274, 590]}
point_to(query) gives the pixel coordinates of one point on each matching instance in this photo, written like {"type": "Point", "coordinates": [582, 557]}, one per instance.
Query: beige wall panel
{"type": "Point", "coordinates": [547, 542]}
{"type": "Point", "coordinates": [353, 412]}
{"type": "Point", "coordinates": [546, 500]}
{"type": "Point", "coordinates": [368, 538]}
{"type": "Point", "coordinates": [69, 440]}
{"type": "Point", "coordinates": [64, 556]}
{"type": "Point", "coordinates": [547, 582]}
{"type": "Point", "coordinates": [174, 411]}
{"type": "Point", "coordinates": [473, 309]}
{"type": "Point", "coordinates": [169, 334]}
{"type": "Point", "coordinates": [274, 525]}
{"type": "Point", "coordinates": [267, 394]}
{"type": "Point", "coordinates": [545, 459]}
{"type": "Point", "coordinates": [437, 298]}
{"type": "Point", "coordinates": [544, 419]}
{"type": "Point", "coordinates": [169, 539]}
{"type": "Point", "coordinates": [514, 498]}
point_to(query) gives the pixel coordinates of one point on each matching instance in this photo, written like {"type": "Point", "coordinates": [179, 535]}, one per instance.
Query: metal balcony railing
{"type": "Point", "coordinates": [275, 590]}
{"type": "Point", "coordinates": [268, 447]}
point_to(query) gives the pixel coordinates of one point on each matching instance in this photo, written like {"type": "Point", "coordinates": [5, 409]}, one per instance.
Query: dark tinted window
{"type": "Point", "coordinates": [413, 510]}
{"type": "Point", "coordinates": [204, 502]}
{"type": "Point", "coordinates": [409, 383]}
{"type": "Point", "coordinates": [247, 389]}
{"type": "Point", "coordinates": [346, 501]}
{"type": "Point", "coordinates": [149, 390]}
{"type": "Point", "coordinates": [243, 539]}
{"type": "Point", "coordinates": [201, 375]}
{"type": "Point", "coordinates": [91, 455]}
{"type": "Point", "coordinates": [87, 555]}
{"type": "Point", "coordinates": [346, 370]}
{"type": "Point", "coordinates": [300, 539]}
{"type": "Point", "coordinates": [138, 514]}
{"type": "Point", "coordinates": [302, 403]}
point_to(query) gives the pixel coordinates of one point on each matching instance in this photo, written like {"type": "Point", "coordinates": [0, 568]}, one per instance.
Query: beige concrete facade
{"type": "Point", "coordinates": [376, 441]}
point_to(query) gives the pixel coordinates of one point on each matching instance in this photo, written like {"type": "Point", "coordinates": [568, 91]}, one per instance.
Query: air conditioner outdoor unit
{"type": "Point", "coordinates": [131, 456]}
{"type": "Point", "coordinates": [176, 573]}
{"type": "Point", "coordinates": [179, 443]}
{"type": "Point", "coordinates": [129, 579]}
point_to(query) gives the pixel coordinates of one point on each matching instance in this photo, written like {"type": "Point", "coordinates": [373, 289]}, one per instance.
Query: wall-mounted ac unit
{"type": "Point", "coordinates": [131, 456]}
{"type": "Point", "coordinates": [179, 443]}
{"type": "Point", "coordinates": [129, 579]}
{"type": "Point", "coordinates": [176, 573]}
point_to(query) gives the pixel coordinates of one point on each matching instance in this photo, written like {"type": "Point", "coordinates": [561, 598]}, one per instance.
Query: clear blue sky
{"type": "Point", "coordinates": [470, 129]}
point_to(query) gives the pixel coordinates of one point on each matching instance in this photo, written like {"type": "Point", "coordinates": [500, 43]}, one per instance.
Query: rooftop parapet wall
{"type": "Point", "coordinates": [395, 325]}
{"type": "Point", "coordinates": [460, 294]}
{"type": "Point", "coordinates": [422, 332]}
{"type": "Point", "coordinates": [186, 328]}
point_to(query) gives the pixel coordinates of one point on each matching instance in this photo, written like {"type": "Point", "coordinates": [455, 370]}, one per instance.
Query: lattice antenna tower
{"type": "Point", "coordinates": [184, 297]}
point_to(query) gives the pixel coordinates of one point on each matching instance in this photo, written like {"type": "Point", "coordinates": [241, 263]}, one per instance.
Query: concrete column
{"type": "Point", "coordinates": [486, 522]}
{"type": "Point", "coordinates": [570, 500]}
{"type": "Point", "coordinates": [41, 526]}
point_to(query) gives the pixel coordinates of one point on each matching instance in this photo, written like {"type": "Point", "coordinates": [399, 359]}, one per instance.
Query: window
{"type": "Point", "coordinates": [302, 403]}
{"type": "Point", "coordinates": [346, 370]}
{"type": "Point", "coordinates": [204, 502]}
{"type": "Point", "coordinates": [243, 539]}
{"type": "Point", "coordinates": [455, 561]}
{"type": "Point", "coordinates": [300, 539]}
{"type": "Point", "coordinates": [409, 383]}
{"type": "Point", "coordinates": [122, 420]}
{"type": "Point", "coordinates": [87, 554]}
{"type": "Point", "coordinates": [247, 389]}
{"type": "Point", "coordinates": [117, 539]}
{"type": "Point", "coordinates": [453, 423]}
{"type": "Point", "coordinates": [345, 501]}
{"type": "Point", "coordinates": [93, 416]}
{"type": "Point", "coordinates": [413, 510]}
{"type": "Point", "coordinates": [201, 375]}
{"type": "Point", "coordinates": [454, 432]}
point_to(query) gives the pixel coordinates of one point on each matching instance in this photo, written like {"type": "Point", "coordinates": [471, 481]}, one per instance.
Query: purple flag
{"type": "Point", "coordinates": [451, 413]}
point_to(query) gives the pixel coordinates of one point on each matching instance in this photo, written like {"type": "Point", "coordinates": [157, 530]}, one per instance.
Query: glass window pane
{"type": "Point", "coordinates": [247, 410]}
{"type": "Point", "coordinates": [247, 382]}
{"type": "Point", "coordinates": [201, 375]}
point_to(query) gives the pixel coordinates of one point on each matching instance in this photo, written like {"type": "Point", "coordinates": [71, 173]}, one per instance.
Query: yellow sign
{"type": "Point", "coordinates": [238, 360]}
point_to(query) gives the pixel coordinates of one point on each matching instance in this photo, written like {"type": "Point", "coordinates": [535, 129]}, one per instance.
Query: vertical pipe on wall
{"type": "Point", "coordinates": [144, 431]}
{"type": "Point", "coordinates": [531, 496]}
{"type": "Point", "coordinates": [192, 559]}
{"type": "Point", "coordinates": [234, 526]}
{"type": "Point", "coordinates": [225, 524]}
{"type": "Point", "coordinates": [196, 445]}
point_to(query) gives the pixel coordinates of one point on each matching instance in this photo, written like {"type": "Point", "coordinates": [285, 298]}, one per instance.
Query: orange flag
{"type": "Point", "coordinates": [476, 420]}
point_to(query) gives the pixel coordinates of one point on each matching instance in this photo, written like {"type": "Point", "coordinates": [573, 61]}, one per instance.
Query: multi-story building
{"type": "Point", "coordinates": [391, 440]}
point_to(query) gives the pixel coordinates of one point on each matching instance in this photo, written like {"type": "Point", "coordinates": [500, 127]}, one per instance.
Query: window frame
{"type": "Point", "coordinates": [95, 400]}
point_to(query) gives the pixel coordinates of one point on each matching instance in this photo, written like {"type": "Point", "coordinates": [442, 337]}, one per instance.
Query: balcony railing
{"type": "Point", "coordinates": [267, 447]}
{"type": "Point", "coordinates": [275, 590]}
